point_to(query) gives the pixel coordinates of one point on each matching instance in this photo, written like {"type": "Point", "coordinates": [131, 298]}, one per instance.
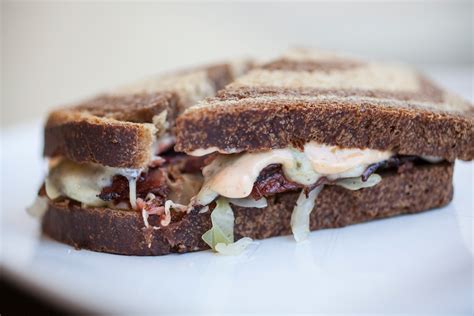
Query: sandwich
{"type": "Point", "coordinates": [112, 155]}
{"type": "Point", "coordinates": [311, 140]}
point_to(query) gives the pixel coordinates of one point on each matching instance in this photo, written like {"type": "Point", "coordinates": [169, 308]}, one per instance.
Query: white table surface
{"type": "Point", "coordinates": [412, 264]}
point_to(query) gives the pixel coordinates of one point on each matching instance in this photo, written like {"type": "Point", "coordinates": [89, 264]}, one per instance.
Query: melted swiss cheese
{"type": "Point", "coordinates": [84, 182]}
{"type": "Point", "coordinates": [233, 176]}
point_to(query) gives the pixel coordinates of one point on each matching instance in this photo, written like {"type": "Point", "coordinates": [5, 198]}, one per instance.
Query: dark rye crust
{"type": "Point", "coordinates": [122, 232]}
{"type": "Point", "coordinates": [257, 126]}
{"type": "Point", "coordinates": [253, 115]}
{"type": "Point", "coordinates": [109, 129]}
{"type": "Point", "coordinates": [86, 138]}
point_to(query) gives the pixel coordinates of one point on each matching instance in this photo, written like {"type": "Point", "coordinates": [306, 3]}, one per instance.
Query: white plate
{"type": "Point", "coordinates": [416, 264]}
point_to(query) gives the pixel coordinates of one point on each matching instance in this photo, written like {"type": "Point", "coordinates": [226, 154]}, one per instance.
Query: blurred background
{"type": "Point", "coordinates": [54, 53]}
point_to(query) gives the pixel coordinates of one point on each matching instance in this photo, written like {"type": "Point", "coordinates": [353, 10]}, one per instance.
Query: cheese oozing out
{"type": "Point", "coordinates": [84, 182]}
{"type": "Point", "coordinates": [233, 176]}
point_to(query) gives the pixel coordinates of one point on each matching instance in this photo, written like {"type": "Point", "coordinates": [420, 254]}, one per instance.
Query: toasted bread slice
{"type": "Point", "coordinates": [118, 129]}
{"type": "Point", "coordinates": [308, 96]}
{"type": "Point", "coordinates": [123, 232]}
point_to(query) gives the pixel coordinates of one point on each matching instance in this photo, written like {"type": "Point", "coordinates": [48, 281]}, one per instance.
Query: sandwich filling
{"type": "Point", "coordinates": [84, 182]}
{"type": "Point", "coordinates": [234, 176]}
{"type": "Point", "coordinates": [167, 185]}
{"type": "Point", "coordinates": [248, 178]}
{"type": "Point", "coordinates": [173, 184]}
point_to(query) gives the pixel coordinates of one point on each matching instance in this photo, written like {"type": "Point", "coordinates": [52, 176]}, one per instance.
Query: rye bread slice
{"type": "Point", "coordinates": [118, 132]}
{"type": "Point", "coordinates": [421, 188]}
{"type": "Point", "coordinates": [307, 96]}
{"type": "Point", "coordinates": [118, 128]}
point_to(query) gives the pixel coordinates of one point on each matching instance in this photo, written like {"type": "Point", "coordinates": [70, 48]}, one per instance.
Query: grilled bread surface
{"type": "Point", "coordinates": [315, 96]}
{"type": "Point", "coordinates": [118, 128]}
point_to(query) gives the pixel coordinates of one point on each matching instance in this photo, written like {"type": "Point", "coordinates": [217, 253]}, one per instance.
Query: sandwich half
{"type": "Point", "coordinates": [315, 140]}
{"type": "Point", "coordinates": [115, 151]}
